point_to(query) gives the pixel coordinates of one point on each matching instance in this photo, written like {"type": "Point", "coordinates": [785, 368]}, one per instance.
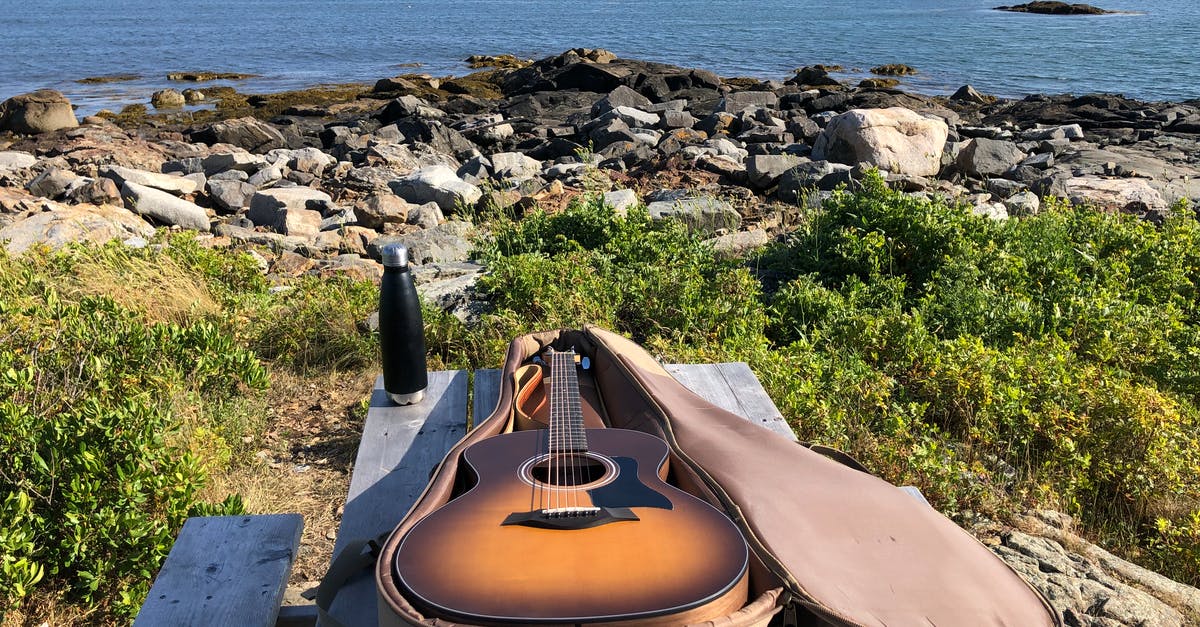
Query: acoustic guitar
{"type": "Point", "coordinates": [569, 525]}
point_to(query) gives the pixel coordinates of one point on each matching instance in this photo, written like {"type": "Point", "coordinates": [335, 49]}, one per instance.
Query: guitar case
{"type": "Point", "coordinates": [830, 543]}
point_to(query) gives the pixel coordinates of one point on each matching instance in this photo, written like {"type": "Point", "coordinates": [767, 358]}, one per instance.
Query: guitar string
{"type": "Point", "coordinates": [557, 405]}
{"type": "Point", "coordinates": [554, 408]}
{"type": "Point", "coordinates": [576, 416]}
{"type": "Point", "coordinates": [574, 411]}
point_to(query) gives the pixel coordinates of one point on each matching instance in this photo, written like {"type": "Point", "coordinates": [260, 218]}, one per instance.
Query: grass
{"type": "Point", "coordinates": [1042, 362]}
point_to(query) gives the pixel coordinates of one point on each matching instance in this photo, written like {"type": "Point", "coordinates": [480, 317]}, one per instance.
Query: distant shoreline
{"type": "Point", "coordinates": [93, 94]}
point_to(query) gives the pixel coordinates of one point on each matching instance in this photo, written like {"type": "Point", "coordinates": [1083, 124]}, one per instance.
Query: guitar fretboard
{"type": "Point", "coordinates": [567, 434]}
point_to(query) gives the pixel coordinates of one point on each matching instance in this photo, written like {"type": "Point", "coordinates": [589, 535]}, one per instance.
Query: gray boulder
{"type": "Point", "coordinates": [763, 171]}
{"type": "Point", "coordinates": [164, 207]}
{"type": "Point", "coordinates": [41, 111]}
{"type": "Point", "coordinates": [810, 176]}
{"type": "Point", "coordinates": [966, 93]}
{"type": "Point", "coordinates": [741, 100]}
{"type": "Point", "coordinates": [1131, 195]}
{"type": "Point", "coordinates": [1004, 188]}
{"type": "Point", "coordinates": [178, 185]}
{"type": "Point", "coordinates": [339, 220]}
{"type": "Point", "coordinates": [895, 139]}
{"type": "Point", "coordinates": [219, 162]}
{"type": "Point", "coordinates": [1024, 203]}
{"type": "Point", "coordinates": [621, 200]}
{"type": "Point", "coordinates": [266, 177]}
{"type": "Point", "coordinates": [450, 287]}
{"type": "Point", "coordinates": [292, 211]}
{"type": "Point", "coordinates": [99, 191]}
{"type": "Point", "coordinates": [982, 157]}
{"type": "Point", "coordinates": [230, 175]}
{"type": "Point", "coordinates": [1066, 131]}
{"type": "Point", "coordinates": [622, 96]}
{"type": "Point", "coordinates": [52, 183]}
{"type": "Point", "coordinates": [230, 194]}
{"type": "Point", "coordinates": [436, 183]}
{"type": "Point", "coordinates": [445, 242]}
{"type": "Point", "coordinates": [310, 160]}
{"type": "Point", "coordinates": [704, 214]}
{"type": "Point", "coordinates": [740, 241]}
{"type": "Point", "coordinates": [635, 118]}
{"type": "Point", "coordinates": [247, 133]}
{"type": "Point", "coordinates": [167, 99]}
{"type": "Point", "coordinates": [678, 119]}
{"type": "Point", "coordinates": [426, 216]}
{"type": "Point", "coordinates": [514, 165]}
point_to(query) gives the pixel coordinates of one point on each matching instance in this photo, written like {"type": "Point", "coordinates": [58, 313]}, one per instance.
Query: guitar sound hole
{"type": "Point", "coordinates": [568, 470]}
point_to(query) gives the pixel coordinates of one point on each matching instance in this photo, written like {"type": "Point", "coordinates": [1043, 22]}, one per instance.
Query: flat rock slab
{"type": "Point", "coordinates": [178, 185]}
{"type": "Point", "coordinates": [705, 214]}
{"type": "Point", "coordinates": [164, 207]}
{"type": "Point", "coordinates": [15, 160]}
{"type": "Point", "coordinates": [446, 242]}
{"type": "Point", "coordinates": [76, 223]}
{"type": "Point", "coordinates": [289, 210]}
{"type": "Point", "coordinates": [436, 183]}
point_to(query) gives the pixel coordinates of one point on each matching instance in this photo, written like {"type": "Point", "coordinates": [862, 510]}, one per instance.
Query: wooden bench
{"type": "Point", "coordinates": [224, 570]}
{"type": "Point", "coordinates": [400, 448]}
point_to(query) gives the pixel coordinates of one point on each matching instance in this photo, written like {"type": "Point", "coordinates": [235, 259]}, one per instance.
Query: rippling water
{"type": "Point", "coordinates": [1149, 53]}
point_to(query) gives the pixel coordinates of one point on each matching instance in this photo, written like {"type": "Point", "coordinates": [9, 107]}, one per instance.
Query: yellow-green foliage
{"type": "Point", "coordinates": [1052, 360]}
{"type": "Point", "coordinates": [94, 484]}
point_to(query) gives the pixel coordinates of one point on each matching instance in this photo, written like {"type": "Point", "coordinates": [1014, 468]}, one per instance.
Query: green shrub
{"type": "Point", "coordinates": [654, 281]}
{"type": "Point", "coordinates": [94, 485]}
{"type": "Point", "coordinates": [1048, 360]}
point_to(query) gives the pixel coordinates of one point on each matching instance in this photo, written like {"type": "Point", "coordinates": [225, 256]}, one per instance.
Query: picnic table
{"type": "Point", "coordinates": [232, 570]}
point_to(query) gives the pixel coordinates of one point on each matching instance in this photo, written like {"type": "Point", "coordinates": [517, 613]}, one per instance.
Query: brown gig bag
{"type": "Point", "coordinates": [830, 544]}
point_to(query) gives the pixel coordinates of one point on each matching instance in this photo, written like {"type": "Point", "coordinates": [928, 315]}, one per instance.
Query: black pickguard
{"type": "Point", "coordinates": [627, 490]}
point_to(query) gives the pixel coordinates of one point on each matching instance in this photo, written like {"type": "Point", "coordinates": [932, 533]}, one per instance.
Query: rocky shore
{"type": "Point", "coordinates": [321, 184]}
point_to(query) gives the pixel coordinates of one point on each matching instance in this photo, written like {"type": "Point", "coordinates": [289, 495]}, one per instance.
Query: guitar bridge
{"type": "Point", "coordinates": [570, 517]}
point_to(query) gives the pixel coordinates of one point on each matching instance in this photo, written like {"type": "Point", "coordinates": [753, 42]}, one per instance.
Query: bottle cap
{"type": "Point", "coordinates": [395, 256]}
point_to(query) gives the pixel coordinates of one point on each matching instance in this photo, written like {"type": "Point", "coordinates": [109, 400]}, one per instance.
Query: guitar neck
{"type": "Point", "coordinates": [567, 434]}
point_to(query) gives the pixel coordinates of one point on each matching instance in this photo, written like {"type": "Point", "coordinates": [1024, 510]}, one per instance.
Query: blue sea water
{"type": "Point", "coordinates": [1149, 53]}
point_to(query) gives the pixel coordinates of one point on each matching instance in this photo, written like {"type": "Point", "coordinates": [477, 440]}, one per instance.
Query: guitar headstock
{"type": "Point", "coordinates": [581, 360]}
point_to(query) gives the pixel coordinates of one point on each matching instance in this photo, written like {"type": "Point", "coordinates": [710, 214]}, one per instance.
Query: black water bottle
{"type": "Point", "coordinates": [401, 330]}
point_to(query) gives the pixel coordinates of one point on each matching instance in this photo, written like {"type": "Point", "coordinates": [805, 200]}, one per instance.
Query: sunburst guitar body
{"type": "Point", "coordinates": [569, 525]}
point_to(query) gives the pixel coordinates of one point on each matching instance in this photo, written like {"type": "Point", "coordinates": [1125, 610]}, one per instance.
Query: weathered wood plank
{"type": "Point", "coordinates": [754, 399]}
{"type": "Point", "coordinates": [733, 386]}
{"type": "Point", "coordinates": [706, 381]}
{"type": "Point", "coordinates": [224, 570]}
{"type": "Point", "coordinates": [915, 492]}
{"type": "Point", "coordinates": [400, 447]}
{"type": "Point", "coordinates": [297, 616]}
{"type": "Point", "coordinates": [487, 392]}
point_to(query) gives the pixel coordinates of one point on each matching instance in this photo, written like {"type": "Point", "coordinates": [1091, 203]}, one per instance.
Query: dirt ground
{"type": "Point", "coordinates": [303, 466]}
